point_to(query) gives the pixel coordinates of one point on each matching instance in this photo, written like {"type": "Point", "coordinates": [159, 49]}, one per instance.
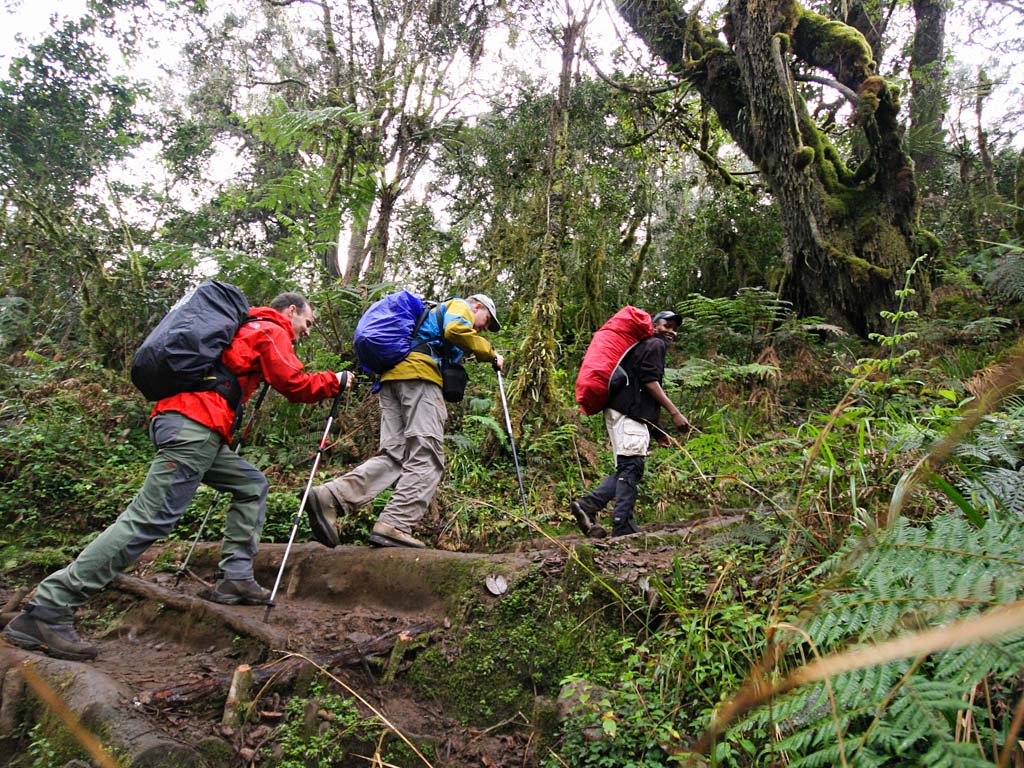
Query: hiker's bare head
{"type": "Point", "coordinates": [295, 307]}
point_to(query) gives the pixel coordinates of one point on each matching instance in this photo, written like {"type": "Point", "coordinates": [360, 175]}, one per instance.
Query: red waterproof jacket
{"type": "Point", "coordinates": [261, 351]}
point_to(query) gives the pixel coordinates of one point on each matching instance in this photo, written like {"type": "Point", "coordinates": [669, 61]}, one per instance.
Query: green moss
{"type": "Point", "coordinates": [810, 135]}
{"type": "Point", "coordinates": [829, 175]}
{"type": "Point", "coordinates": [927, 243]}
{"type": "Point", "coordinates": [867, 105]}
{"type": "Point", "coordinates": [867, 227]}
{"type": "Point", "coordinates": [505, 654]}
{"type": "Point", "coordinates": [832, 44]}
{"type": "Point", "coordinates": [863, 269]}
{"type": "Point", "coordinates": [835, 208]}
{"type": "Point", "coordinates": [803, 157]}
{"type": "Point", "coordinates": [51, 743]}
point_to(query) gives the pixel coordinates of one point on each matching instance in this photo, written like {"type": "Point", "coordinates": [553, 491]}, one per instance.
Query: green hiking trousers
{"type": "Point", "coordinates": [187, 454]}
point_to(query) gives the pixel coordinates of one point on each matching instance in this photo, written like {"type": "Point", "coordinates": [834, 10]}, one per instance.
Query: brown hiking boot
{"type": "Point", "coordinates": [58, 640]}
{"type": "Point", "coordinates": [322, 521]}
{"type": "Point", "coordinates": [239, 592]}
{"type": "Point", "coordinates": [385, 535]}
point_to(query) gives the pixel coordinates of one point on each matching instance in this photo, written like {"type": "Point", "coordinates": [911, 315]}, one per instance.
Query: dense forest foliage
{"type": "Point", "coordinates": [832, 196]}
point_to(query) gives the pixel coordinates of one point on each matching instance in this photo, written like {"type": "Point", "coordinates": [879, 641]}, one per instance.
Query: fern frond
{"type": "Point", "coordinates": [900, 713]}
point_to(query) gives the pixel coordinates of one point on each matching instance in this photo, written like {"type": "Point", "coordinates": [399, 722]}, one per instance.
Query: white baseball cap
{"type": "Point", "coordinates": [481, 298]}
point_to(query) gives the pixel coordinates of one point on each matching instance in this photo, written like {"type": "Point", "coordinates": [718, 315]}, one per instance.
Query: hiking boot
{"type": "Point", "coordinates": [239, 592]}
{"type": "Point", "coordinates": [58, 640]}
{"type": "Point", "coordinates": [385, 535]}
{"type": "Point", "coordinates": [625, 527]}
{"type": "Point", "coordinates": [586, 521]}
{"type": "Point", "coordinates": [321, 520]}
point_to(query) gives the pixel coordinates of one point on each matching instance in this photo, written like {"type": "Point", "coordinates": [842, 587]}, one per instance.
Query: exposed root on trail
{"type": "Point", "coordinates": [226, 615]}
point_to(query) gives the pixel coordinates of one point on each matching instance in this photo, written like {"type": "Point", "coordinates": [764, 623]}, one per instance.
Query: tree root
{"type": "Point", "coordinates": [243, 625]}
{"type": "Point", "coordinates": [283, 671]}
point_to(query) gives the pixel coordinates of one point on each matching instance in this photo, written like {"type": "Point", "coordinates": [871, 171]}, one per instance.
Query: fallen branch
{"type": "Point", "coordinates": [282, 672]}
{"type": "Point", "coordinates": [226, 615]}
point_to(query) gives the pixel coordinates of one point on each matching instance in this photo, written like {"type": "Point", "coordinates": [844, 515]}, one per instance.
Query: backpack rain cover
{"type": "Point", "coordinates": [384, 333]}
{"type": "Point", "coordinates": [610, 344]}
{"type": "Point", "coordinates": [182, 354]}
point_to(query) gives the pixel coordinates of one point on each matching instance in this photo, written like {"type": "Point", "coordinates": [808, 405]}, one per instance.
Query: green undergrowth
{"type": "Point", "coordinates": [665, 685]}
{"type": "Point", "coordinates": [499, 657]}
{"type": "Point", "coordinates": [326, 728]}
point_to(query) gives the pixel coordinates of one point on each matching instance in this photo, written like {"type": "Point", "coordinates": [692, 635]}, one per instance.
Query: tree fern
{"type": "Point", "coordinates": [1007, 275]}
{"type": "Point", "coordinates": [998, 488]}
{"type": "Point", "coordinates": [902, 713]}
{"type": "Point", "coordinates": [748, 318]}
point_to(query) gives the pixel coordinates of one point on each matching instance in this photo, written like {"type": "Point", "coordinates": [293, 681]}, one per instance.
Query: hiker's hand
{"type": "Point", "coordinates": [345, 379]}
{"type": "Point", "coordinates": [499, 362]}
{"type": "Point", "coordinates": [681, 422]}
{"type": "Point", "coordinates": [663, 439]}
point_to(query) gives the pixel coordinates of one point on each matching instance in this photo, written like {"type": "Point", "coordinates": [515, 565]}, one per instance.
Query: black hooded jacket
{"type": "Point", "coordinates": [644, 363]}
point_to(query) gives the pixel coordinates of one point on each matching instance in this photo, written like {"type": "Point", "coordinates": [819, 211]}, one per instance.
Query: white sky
{"type": "Point", "coordinates": [30, 19]}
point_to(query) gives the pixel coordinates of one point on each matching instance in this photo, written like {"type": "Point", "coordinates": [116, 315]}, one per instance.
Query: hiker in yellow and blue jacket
{"type": "Point", "coordinates": [413, 413]}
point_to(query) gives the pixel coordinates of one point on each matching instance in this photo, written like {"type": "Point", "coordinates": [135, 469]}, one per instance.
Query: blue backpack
{"type": "Point", "coordinates": [384, 334]}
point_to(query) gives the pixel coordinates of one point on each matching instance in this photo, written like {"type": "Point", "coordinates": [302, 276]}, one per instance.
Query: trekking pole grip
{"type": "Point", "coordinates": [336, 403]}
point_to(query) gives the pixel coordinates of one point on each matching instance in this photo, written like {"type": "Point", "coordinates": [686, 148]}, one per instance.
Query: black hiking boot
{"type": "Point", "coordinates": [239, 592]}
{"type": "Point", "coordinates": [586, 521]}
{"type": "Point", "coordinates": [321, 521]}
{"type": "Point", "coordinates": [625, 527]}
{"type": "Point", "coordinates": [58, 640]}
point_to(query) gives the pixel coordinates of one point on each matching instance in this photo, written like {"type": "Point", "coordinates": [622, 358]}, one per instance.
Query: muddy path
{"type": "Point", "coordinates": [167, 656]}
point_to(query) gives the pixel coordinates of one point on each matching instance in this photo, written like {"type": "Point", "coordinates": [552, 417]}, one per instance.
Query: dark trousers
{"type": "Point", "coordinates": [621, 486]}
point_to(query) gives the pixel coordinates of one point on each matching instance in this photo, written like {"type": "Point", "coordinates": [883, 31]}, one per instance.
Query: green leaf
{"type": "Point", "coordinates": [957, 498]}
{"type": "Point", "coordinates": [608, 724]}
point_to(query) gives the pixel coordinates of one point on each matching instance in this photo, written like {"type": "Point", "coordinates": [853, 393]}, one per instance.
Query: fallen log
{"type": "Point", "coordinates": [243, 625]}
{"type": "Point", "coordinates": [283, 671]}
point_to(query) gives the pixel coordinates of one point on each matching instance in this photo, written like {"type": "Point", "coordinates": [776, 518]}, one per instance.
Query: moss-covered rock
{"type": "Point", "coordinates": [499, 657]}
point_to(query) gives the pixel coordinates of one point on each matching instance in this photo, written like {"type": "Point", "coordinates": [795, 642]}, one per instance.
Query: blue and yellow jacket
{"type": "Point", "coordinates": [458, 332]}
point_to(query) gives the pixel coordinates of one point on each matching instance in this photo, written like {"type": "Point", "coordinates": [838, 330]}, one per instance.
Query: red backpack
{"type": "Point", "coordinates": [610, 344]}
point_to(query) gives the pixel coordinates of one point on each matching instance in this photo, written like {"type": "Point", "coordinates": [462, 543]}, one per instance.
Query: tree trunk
{"type": "Point", "coordinates": [533, 390]}
{"type": "Point", "coordinates": [927, 87]}
{"type": "Point", "coordinates": [849, 234]}
{"type": "Point", "coordinates": [1018, 198]}
{"type": "Point", "coordinates": [381, 234]}
{"type": "Point", "coordinates": [356, 247]}
{"type": "Point", "coordinates": [988, 168]}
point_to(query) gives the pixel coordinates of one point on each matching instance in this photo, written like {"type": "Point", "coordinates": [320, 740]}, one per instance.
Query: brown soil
{"type": "Point", "coordinates": [328, 601]}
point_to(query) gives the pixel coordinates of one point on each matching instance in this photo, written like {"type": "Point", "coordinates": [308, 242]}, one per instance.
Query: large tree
{"type": "Point", "coordinates": [850, 232]}
{"type": "Point", "coordinates": [927, 91]}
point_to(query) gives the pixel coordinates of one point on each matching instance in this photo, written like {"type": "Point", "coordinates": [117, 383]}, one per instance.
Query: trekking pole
{"type": "Point", "coordinates": [238, 449]}
{"type": "Point", "coordinates": [305, 495]}
{"type": "Point", "coordinates": [512, 442]}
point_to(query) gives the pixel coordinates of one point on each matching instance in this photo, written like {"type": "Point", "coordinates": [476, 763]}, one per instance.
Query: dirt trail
{"type": "Point", "coordinates": [329, 601]}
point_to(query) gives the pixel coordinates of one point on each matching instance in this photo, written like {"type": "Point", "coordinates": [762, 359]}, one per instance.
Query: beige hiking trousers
{"type": "Point", "coordinates": [410, 457]}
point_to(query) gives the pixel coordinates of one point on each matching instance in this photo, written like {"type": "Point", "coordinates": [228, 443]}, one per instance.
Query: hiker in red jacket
{"type": "Point", "coordinates": [632, 415]}
{"type": "Point", "coordinates": [191, 432]}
